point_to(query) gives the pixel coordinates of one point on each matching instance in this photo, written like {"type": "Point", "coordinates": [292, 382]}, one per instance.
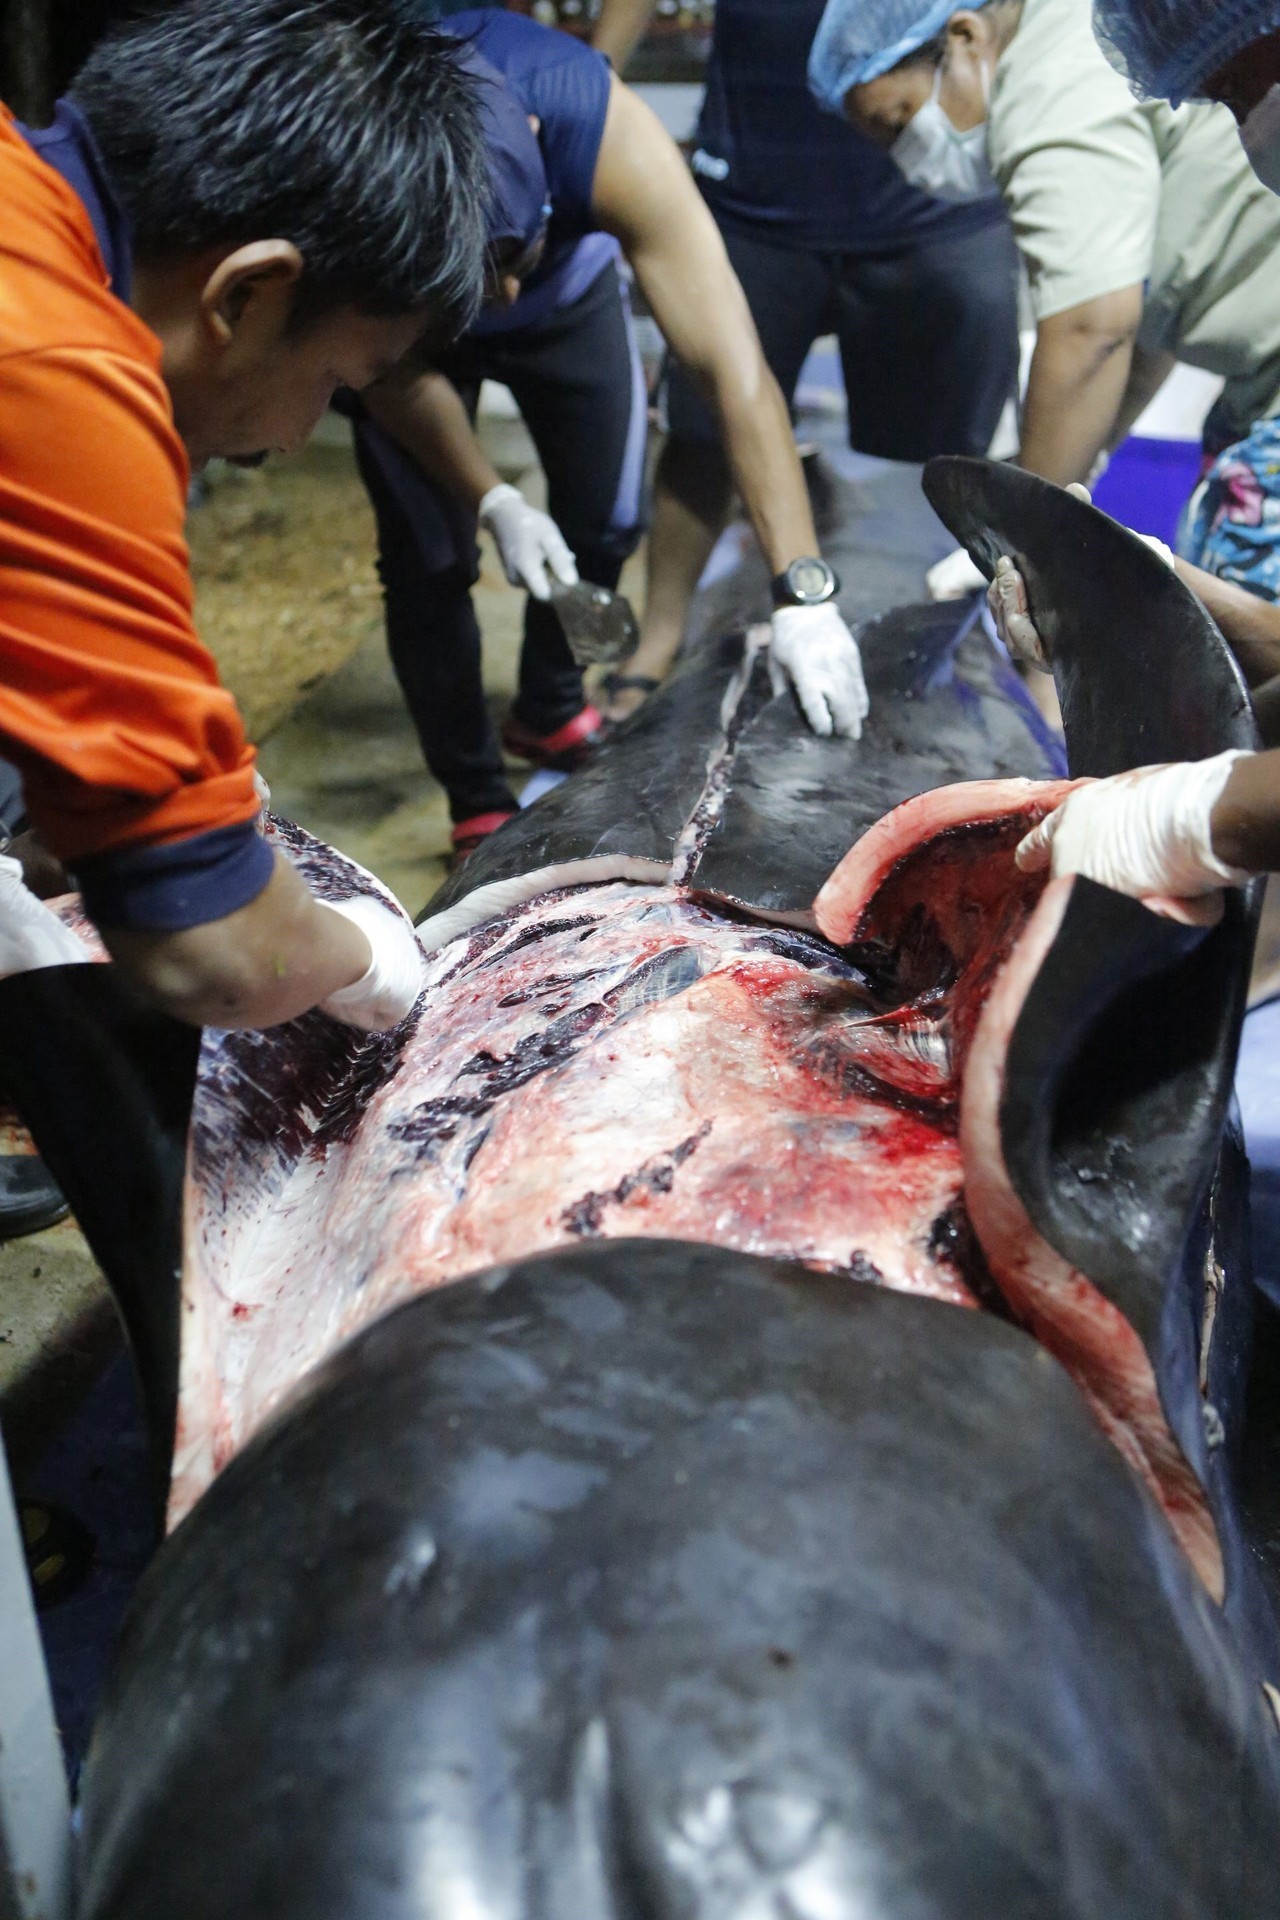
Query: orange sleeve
{"type": "Point", "coordinates": [109, 704]}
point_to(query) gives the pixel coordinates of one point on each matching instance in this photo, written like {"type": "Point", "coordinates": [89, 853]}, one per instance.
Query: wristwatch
{"type": "Point", "coordinates": [805, 583]}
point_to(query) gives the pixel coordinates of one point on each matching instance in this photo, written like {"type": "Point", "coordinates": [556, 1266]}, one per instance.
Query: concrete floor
{"type": "Point", "coordinates": [346, 762]}
{"type": "Point", "coordinates": [58, 1330]}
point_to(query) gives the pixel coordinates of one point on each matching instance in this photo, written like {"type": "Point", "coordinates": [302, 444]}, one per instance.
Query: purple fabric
{"type": "Point", "coordinates": [163, 889]}
{"type": "Point", "coordinates": [69, 148]}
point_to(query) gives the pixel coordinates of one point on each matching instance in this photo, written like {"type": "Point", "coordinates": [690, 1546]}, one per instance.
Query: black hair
{"type": "Point", "coordinates": [931, 53]}
{"type": "Point", "coordinates": [344, 126]}
{"type": "Point", "coordinates": [928, 54]}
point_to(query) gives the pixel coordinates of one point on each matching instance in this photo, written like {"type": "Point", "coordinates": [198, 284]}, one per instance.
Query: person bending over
{"type": "Point", "coordinates": [825, 236]}
{"type": "Point", "coordinates": [584, 173]}
{"type": "Point", "coordinates": [242, 205]}
{"type": "Point", "coordinates": [1191, 828]}
{"type": "Point", "coordinates": [1146, 236]}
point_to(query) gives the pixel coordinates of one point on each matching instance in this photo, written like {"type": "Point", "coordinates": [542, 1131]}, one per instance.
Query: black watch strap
{"type": "Point", "coordinates": [808, 582]}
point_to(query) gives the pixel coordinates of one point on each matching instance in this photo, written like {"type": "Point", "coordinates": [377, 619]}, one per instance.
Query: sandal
{"type": "Point", "coordinates": [615, 683]}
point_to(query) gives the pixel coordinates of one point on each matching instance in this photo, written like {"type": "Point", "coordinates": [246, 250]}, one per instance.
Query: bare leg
{"type": "Point", "coordinates": [691, 498]}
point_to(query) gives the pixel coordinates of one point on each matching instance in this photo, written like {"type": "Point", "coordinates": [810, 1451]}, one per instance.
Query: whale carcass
{"type": "Point", "coordinates": [820, 1497]}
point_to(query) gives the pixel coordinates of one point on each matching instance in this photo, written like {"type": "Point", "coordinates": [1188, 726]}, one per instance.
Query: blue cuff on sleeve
{"type": "Point", "coordinates": [163, 889]}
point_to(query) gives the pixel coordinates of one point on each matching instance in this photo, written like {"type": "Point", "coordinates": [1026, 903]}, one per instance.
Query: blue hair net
{"type": "Point", "coordinates": [1167, 49]}
{"type": "Point", "coordinates": [858, 40]}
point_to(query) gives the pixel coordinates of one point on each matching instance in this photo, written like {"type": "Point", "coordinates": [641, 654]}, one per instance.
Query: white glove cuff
{"type": "Point", "coordinates": [1199, 789]}
{"type": "Point", "coordinates": [790, 624]}
{"type": "Point", "coordinates": [497, 497]}
{"type": "Point", "coordinates": [385, 993]}
{"type": "Point", "coordinates": [1161, 551]}
{"type": "Point", "coordinates": [954, 577]}
{"type": "Point", "coordinates": [31, 934]}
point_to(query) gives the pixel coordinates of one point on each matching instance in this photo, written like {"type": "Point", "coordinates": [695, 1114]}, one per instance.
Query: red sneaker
{"type": "Point", "coordinates": [469, 834]}
{"type": "Point", "coordinates": [565, 749]}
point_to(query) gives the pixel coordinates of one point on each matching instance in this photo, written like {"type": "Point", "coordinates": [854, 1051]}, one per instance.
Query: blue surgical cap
{"type": "Point", "coordinates": [859, 40]}
{"type": "Point", "coordinates": [1168, 49]}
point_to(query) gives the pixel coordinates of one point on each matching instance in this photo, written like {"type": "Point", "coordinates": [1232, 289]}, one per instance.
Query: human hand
{"type": "Point", "coordinates": [1145, 833]}
{"type": "Point", "coordinates": [31, 935]}
{"type": "Point", "coordinates": [1007, 597]}
{"type": "Point", "coordinates": [820, 657]}
{"type": "Point", "coordinates": [1007, 600]}
{"type": "Point", "coordinates": [528, 542]}
{"type": "Point", "coordinates": [385, 993]}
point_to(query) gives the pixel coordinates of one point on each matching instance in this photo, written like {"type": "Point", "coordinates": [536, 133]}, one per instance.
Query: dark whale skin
{"type": "Point", "coordinates": [944, 707]}
{"type": "Point", "coordinates": [664, 1581]}
{"type": "Point", "coordinates": [1120, 1067]}
{"type": "Point", "coordinates": [660, 1580]}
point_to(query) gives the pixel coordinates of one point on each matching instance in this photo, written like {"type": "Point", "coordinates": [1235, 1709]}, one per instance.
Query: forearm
{"type": "Point", "coordinates": [621, 27]}
{"type": "Point", "coordinates": [424, 414]}
{"type": "Point", "coordinates": [1079, 375]}
{"type": "Point", "coordinates": [274, 959]}
{"type": "Point", "coordinates": [761, 451]}
{"type": "Point", "coordinates": [1245, 823]}
{"type": "Point", "coordinates": [1147, 375]}
{"type": "Point", "coordinates": [1250, 625]}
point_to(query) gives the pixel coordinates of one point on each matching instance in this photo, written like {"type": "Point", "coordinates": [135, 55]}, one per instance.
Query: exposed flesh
{"type": "Point", "coordinates": [979, 908]}
{"type": "Point", "coordinates": [618, 1059]}
{"type": "Point", "coordinates": [609, 1061]}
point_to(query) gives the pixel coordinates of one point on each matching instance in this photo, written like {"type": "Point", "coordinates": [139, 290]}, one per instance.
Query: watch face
{"type": "Point", "coordinates": [809, 579]}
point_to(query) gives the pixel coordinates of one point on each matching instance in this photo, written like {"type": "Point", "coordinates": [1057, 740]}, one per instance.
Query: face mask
{"type": "Point", "coordinates": [936, 157]}
{"type": "Point", "coordinates": [1260, 136]}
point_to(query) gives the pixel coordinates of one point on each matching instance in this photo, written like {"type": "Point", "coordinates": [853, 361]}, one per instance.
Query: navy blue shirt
{"type": "Point", "coordinates": [564, 84]}
{"type": "Point", "coordinates": [770, 162]}
{"type": "Point", "coordinates": [203, 878]}
{"type": "Point", "coordinates": [70, 149]}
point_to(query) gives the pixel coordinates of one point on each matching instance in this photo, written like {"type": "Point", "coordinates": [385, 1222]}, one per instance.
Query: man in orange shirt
{"type": "Point", "coordinates": [243, 205]}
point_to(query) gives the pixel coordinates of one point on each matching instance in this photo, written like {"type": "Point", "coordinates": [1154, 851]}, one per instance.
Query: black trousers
{"type": "Point", "coordinates": [577, 379]}
{"type": "Point", "coordinates": [928, 337]}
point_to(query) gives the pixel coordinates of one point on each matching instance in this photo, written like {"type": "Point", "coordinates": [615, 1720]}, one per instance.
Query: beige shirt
{"type": "Point", "coordinates": [1107, 192]}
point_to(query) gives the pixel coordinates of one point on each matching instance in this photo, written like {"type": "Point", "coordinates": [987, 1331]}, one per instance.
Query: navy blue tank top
{"type": "Point", "coordinates": [565, 85]}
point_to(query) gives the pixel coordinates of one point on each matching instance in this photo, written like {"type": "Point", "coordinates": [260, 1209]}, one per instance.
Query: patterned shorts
{"type": "Point", "coordinates": [1231, 524]}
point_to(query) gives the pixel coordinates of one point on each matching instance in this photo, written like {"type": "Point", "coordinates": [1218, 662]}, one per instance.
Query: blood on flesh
{"type": "Point", "coordinates": [981, 910]}
{"type": "Point", "coordinates": [619, 1059]}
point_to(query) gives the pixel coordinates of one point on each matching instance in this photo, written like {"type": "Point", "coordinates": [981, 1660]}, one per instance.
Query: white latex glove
{"type": "Point", "coordinates": [30, 935]}
{"type": "Point", "coordinates": [384, 994]}
{"type": "Point", "coordinates": [1145, 833]}
{"type": "Point", "coordinates": [954, 577]}
{"type": "Point", "coordinates": [1007, 600]}
{"type": "Point", "coordinates": [528, 542]}
{"type": "Point", "coordinates": [1097, 473]}
{"type": "Point", "coordinates": [815, 650]}
{"type": "Point", "coordinates": [1159, 548]}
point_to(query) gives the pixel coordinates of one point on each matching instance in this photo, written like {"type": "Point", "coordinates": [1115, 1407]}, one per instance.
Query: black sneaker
{"type": "Point", "coordinates": [30, 1197]}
